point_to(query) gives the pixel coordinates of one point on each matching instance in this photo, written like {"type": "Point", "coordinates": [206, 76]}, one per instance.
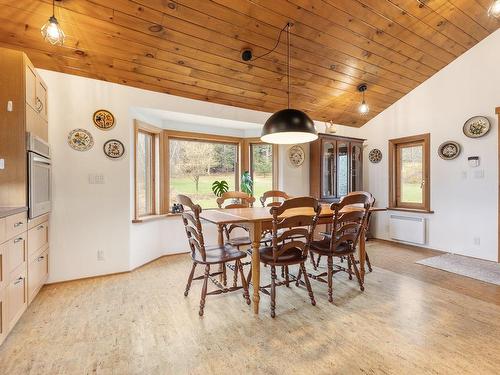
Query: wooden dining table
{"type": "Point", "coordinates": [259, 219]}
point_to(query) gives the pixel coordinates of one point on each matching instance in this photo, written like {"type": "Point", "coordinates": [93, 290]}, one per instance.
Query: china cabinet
{"type": "Point", "coordinates": [336, 167]}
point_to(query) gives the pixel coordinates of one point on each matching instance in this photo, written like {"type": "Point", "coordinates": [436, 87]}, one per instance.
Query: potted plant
{"type": "Point", "coordinates": [220, 187]}
{"type": "Point", "coordinates": [247, 183]}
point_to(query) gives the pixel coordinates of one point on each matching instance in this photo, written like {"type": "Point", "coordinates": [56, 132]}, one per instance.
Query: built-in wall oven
{"type": "Point", "coordinates": [39, 176]}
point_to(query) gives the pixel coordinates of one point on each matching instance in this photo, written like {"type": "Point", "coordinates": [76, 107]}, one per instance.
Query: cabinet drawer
{"type": "Point", "coordinates": [3, 266]}
{"type": "Point", "coordinates": [38, 237]}
{"type": "Point", "coordinates": [16, 252]}
{"type": "Point", "coordinates": [38, 271]}
{"type": "Point", "coordinates": [15, 224]}
{"type": "Point", "coordinates": [17, 300]}
{"type": "Point", "coordinates": [3, 315]}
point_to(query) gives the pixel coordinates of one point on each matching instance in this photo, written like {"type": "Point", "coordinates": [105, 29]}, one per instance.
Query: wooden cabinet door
{"type": "Point", "coordinates": [38, 271]}
{"type": "Point", "coordinates": [328, 165]}
{"type": "Point", "coordinates": [30, 86]}
{"type": "Point", "coordinates": [41, 98]}
{"type": "Point", "coordinates": [356, 156]}
{"type": "Point", "coordinates": [3, 315]}
{"type": "Point", "coordinates": [3, 266]}
{"type": "Point", "coordinates": [17, 299]}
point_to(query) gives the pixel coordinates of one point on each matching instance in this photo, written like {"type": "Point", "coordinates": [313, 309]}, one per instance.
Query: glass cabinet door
{"type": "Point", "coordinates": [356, 167]}
{"type": "Point", "coordinates": [328, 169]}
{"type": "Point", "coordinates": [342, 168]}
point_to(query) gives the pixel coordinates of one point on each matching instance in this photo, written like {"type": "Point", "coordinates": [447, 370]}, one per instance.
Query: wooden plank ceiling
{"type": "Point", "coordinates": [191, 48]}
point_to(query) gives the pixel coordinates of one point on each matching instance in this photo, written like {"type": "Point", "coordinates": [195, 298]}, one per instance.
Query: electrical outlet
{"type": "Point", "coordinates": [477, 241]}
{"type": "Point", "coordinates": [2, 163]}
{"type": "Point", "coordinates": [100, 255]}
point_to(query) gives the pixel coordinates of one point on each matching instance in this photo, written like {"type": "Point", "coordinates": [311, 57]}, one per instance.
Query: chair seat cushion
{"type": "Point", "coordinates": [322, 247]}
{"type": "Point", "coordinates": [219, 254]}
{"type": "Point", "coordinates": [291, 256]}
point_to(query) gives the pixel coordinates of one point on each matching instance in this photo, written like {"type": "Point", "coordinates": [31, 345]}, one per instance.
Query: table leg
{"type": "Point", "coordinates": [220, 240]}
{"type": "Point", "coordinates": [255, 234]}
{"type": "Point", "coordinates": [362, 255]}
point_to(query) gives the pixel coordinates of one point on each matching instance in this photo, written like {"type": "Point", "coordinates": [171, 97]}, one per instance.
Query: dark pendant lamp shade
{"type": "Point", "coordinates": [289, 126]}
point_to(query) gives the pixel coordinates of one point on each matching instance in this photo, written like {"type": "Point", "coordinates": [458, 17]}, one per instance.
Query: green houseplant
{"type": "Point", "coordinates": [247, 183]}
{"type": "Point", "coordinates": [220, 187]}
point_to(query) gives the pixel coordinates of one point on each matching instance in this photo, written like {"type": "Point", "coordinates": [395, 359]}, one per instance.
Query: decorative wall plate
{"type": "Point", "coordinates": [103, 119]}
{"type": "Point", "coordinates": [449, 150]}
{"type": "Point", "coordinates": [476, 127]}
{"type": "Point", "coordinates": [113, 149]}
{"type": "Point", "coordinates": [80, 140]}
{"type": "Point", "coordinates": [296, 155]}
{"type": "Point", "coordinates": [375, 155]}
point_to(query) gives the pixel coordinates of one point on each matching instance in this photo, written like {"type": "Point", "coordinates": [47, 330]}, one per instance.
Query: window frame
{"type": "Point", "coordinates": [395, 146]}
{"type": "Point", "coordinates": [161, 168]}
{"type": "Point", "coordinates": [198, 137]}
{"type": "Point", "coordinates": [248, 143]}
{"type": "Point", "coordinates": [156, 172]}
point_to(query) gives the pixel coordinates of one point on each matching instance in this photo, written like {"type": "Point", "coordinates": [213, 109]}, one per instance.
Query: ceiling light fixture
{"type": "Point", "coordinates": [52, 31]}
{"type": "Point", "coordinates": [363, 108]}
{"type": "Point", "coordinates": [288, 126]}
{"type": "Point", "coordinates": [494, 9]}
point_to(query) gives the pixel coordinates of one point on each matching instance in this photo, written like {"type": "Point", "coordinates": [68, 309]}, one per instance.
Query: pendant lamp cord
{"type": "Point", "coordinates": [288, 61]}
{"type": "Point", "coordinates": [287, 28]}
{"type": "Point", "coordinates": [53, 8]}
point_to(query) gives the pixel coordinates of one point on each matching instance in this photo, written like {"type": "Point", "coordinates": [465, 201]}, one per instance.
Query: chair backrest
{"type": "Point", "coordinates": [192, 225]}
{"type": "Point", "coordinates": [274, 195]}
{"type": "Point", "coordinates": [243, 200]}
{"type": "Point", "coordinates": [294, 217]}
{"type": "Point", "coordinates": [348, 224]}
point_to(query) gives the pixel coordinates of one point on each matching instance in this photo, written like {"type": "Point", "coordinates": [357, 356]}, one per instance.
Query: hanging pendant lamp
{"type": "Point", "coordinates": [52, 31]}
{"type": "Point", "coordinates": [289, 126]}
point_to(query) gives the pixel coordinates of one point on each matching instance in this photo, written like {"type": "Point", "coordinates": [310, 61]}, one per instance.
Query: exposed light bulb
{"type": "Point", "coordinates": [364, 108]}
{"type": "Point", "coordinates": [494, 9]}
{"type": "Point", "coordinates": [52, 32]}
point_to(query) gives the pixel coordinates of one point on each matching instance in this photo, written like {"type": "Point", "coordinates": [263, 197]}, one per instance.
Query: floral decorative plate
{"type": "Point", "coordinates": [449, 150]}
{"type": "Point", "coordinates": [375, 155]}
{"type": "Point", "coordinates": [80, 140]}
{"type": "Point", "coordinates": [104, 119]}
{"type": "Point", "coordinates": [476, 127]}
{"type": "Point", "coordinates": [296, 155]}
{"type": "Point", "coordinates": [114, 149]}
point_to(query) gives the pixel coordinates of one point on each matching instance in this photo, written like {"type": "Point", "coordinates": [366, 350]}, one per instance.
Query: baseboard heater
{"type": "Point", "coordinates": [407, 228]}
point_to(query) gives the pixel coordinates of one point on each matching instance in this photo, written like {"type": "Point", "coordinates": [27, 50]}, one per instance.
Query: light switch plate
{"type": "Point", "coordinates": [2, 163]}
{"type": "Point", "coordinates": [96, 179]}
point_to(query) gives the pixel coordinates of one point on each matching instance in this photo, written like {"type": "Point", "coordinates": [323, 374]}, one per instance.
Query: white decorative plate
{"type": "Point", "coordinates": [114, 149]}
{"type": "Point", "coordinates": [375, 155]}
{"type": "Point", "coordinates": [476, 127]}
{"type": "Point", "coordinates": [296, 155]}
{"type": "Point", "coordinates": [80, 140]}
{"type": "Point", "coordinates": [449, 150]}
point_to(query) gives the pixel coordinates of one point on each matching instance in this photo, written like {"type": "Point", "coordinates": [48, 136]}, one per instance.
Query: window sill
{"type": "Point", "coordinates": [416, 210]}
{"type": "Point", "coordinates": [144, 219]}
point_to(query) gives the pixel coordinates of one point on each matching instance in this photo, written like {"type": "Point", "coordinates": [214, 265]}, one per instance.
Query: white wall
{"type": "Point", "coordinates": [465, 207]}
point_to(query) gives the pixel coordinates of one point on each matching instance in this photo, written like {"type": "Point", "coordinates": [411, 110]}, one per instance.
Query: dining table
{"type": "Point", "coordinates": [259, 219]}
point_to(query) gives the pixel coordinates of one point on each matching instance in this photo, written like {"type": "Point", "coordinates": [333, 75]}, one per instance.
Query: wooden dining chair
{"type": "Point", "coordinates": [346, 230]}
{"type": "Point", "coordinates": [237, 199]}
{"type": "Point", "coordinates": [286, 250]}
{"type": "Point", "coordinates": [368, 220]}
{"type": "Point", "coordinates": [209, 256]}
{"type": "Point", "coordinates": [277, 197]}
